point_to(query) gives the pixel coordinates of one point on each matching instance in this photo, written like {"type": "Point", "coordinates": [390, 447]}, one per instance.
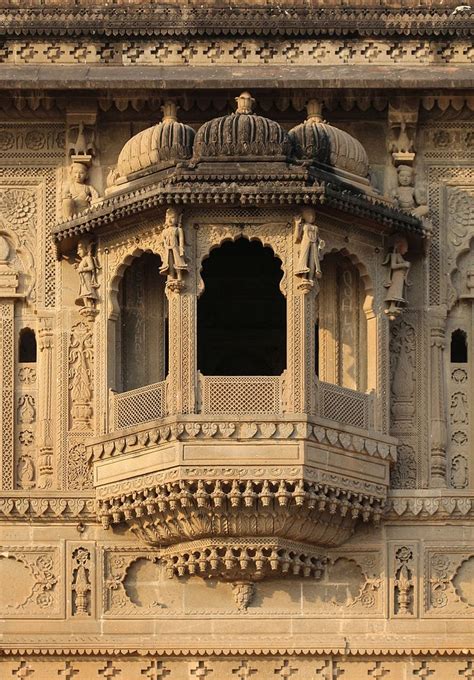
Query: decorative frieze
{"type": "Point", "coordinates": [255, 52]}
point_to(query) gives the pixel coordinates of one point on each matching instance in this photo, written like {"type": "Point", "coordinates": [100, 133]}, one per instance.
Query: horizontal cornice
{"type": "Point", "coordinates": [152, 20]}
{"type": "Point", "coordinates": [186, 78]}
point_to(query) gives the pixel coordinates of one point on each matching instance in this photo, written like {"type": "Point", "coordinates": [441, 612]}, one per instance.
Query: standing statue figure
{"type": "Point", "coordinates": [79, 194]}
{"type": "Point", "coordinates": [311, 245]}
{"type": "Point", "coordinates": [87, 269]}
{"type": "Point", "coordinates": [174, 263]}
{"type": "Point", "coordinates": [406, 195]}
{"type": "Point", "coordinates": [397, 278]}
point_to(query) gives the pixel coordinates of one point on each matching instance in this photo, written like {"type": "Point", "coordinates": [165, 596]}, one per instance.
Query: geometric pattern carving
{"type": "Point", "coordinates": [139, 405]}
{"type": "Point", "coordinates": [345, 405]}
{"type": "Point", "coordinates": [240, 394]}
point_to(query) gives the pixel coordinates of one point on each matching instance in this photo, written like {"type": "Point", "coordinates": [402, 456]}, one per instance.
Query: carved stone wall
{"type": "Point", "coordinates": [396, 601]}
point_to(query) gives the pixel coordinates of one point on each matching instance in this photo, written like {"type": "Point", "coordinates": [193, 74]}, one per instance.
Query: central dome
{"type": "Point", "coordinates": [241, 134]}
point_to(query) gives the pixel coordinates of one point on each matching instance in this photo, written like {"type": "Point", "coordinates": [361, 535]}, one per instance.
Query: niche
{"type": "Point", "coordinates": [459, 347]}
{"type": "Point", "coordinates": [27, 346]}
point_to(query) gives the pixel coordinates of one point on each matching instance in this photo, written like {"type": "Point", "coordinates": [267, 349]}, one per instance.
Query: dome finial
{"type": "Point", "coordinates": [170, 111]}
{"type": "Point", "coordinates": [314, 109]}
{"type": "Point", "coordinates": [245, 103]}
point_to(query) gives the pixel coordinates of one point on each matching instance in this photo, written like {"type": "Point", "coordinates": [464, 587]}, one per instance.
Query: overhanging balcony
{"type": "Point", "coordinates": [271, 487]}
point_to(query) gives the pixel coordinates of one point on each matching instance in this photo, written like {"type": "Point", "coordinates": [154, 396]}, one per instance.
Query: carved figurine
{"type": "Point", "coordinates": [112, 176]}
{"type": "Point", "coordinates": [79, 194]}
{"type": "Point", "coordinates": [403, 144]}
{"type": "Point", "coordinates": [407, 196]}
{"type": "Point", "coordinates": [87, 268]}
{"type": "Point", "coordinates": [311, 245]}
{"type": "Point", "coordinates": [245, 103]}
{"type": "Point", "coordinates": [174, 263]}
{"type": "Point", "coordinates": [397, 278]}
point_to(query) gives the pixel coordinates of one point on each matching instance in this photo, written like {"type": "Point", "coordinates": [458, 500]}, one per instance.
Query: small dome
{"type": "Point", "coordinates": [241, 134]}
{"type": "Point", "coordinates": [316, 140]}
{"type": "Point", "coordinates": [166, 141]}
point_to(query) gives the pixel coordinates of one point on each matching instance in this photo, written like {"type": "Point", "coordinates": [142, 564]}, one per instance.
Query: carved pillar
{"type": "Point", "coordinates": [7, 376]}
{"type": "Point", "coordinates": [181, 382]}
{"type": "Point", "coordinates": [8, 294]}
{"type": "Point", "coordinates": [301, 347]}
{"type": "Point", "coordinates": [438, 403]}
{"type": "Point", "coordinates": [45, 382]}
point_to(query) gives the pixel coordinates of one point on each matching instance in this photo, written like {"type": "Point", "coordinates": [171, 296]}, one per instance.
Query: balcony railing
{"type": "Point", "coordinates": [240, 394]}
{"type": "Point", "coordinates": [345, 406]}
{"type": "Point", "coordinates": [138, 406]}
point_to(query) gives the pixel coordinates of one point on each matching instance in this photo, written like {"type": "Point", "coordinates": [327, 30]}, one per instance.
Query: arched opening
{"type": "Point", "coordinates": [143, 324]}
{"type": "Point", "coordinates": [459, 347]}
{"type": "Point", "coordinates": [27, 346]}
{"type": "Point", "coordinates": [342, 331]}
{"type": "Point", "coordinates": [242, 312]}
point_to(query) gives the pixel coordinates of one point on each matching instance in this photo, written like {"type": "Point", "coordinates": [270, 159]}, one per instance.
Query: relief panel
{"type": "Point", "coordinates": [35, 582]}
{"type": "Point", "coordinates": [449, 578]}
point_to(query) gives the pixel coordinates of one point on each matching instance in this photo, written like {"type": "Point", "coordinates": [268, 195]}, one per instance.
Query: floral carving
{"type": "Point", "coordinates": [40, 593]}
{"type": "Point", "coordinates": [26, 410]}
{"type": "Point", "coordinates": [81, 585]}
{"type": "Point", "coordinates": [27, 375]}
{"type": "Point", "coordinates": [79, 472]}
{"type": "Point", "coordinates": [404, 583]}
{"type": "Point", "coordinates": [19, 207]}
{"type": "Point", "coordinates": [403, 475]}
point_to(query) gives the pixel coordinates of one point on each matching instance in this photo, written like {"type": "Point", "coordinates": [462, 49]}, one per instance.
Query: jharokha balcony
{"type": "Point", "coordinates": [242, 486]}
{"type": "Point", "coordinates": [237, 285]}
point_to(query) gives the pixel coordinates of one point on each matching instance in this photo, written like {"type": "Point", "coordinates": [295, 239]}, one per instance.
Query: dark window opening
{"type": "Point", "coordinates": [242, 312]}
{"type": "Point", "coordinates": [27, 346]}
{"type": "Point", "coordinates": [459, 347]}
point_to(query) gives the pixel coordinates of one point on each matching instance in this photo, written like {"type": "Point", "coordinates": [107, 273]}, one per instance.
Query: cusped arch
{"type": "Point", "coordinates": [363, 273]}
{"type": "Point", "coordinates": [217, 235]}
{"type": "Point", "coordinates": [119, 270]}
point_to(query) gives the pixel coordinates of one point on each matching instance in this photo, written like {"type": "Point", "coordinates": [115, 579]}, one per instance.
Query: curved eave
{"type": "Point", "coordinates": [152, 20]}
{"type": "Point", "coordinates": [114, 210]}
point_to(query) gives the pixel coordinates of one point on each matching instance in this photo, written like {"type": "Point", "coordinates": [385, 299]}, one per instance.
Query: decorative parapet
{"type": "Point", "coordinates": [193, 427]}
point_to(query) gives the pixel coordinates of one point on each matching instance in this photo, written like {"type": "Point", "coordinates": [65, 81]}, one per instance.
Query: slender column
{"type": "Point", "coordinates": [45, 396]}
{"type": "Point", "coordinates": [301, 347]}
{"type": "Point", "coordinates": [438, 404]}
{"type": "Point", "coordinates": [181, 383]}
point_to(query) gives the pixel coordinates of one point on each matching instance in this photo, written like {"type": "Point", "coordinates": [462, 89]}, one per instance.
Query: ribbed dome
{"type": "Point", "coordinates": [241, 134]}
{"type": "Point", "coordinates": [316, 140]}
{"type": "Point", "coordinates": [166, 141]}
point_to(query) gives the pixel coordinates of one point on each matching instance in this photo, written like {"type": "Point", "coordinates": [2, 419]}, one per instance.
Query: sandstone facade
{"type": "Point", "coordinates": [236, 334]}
